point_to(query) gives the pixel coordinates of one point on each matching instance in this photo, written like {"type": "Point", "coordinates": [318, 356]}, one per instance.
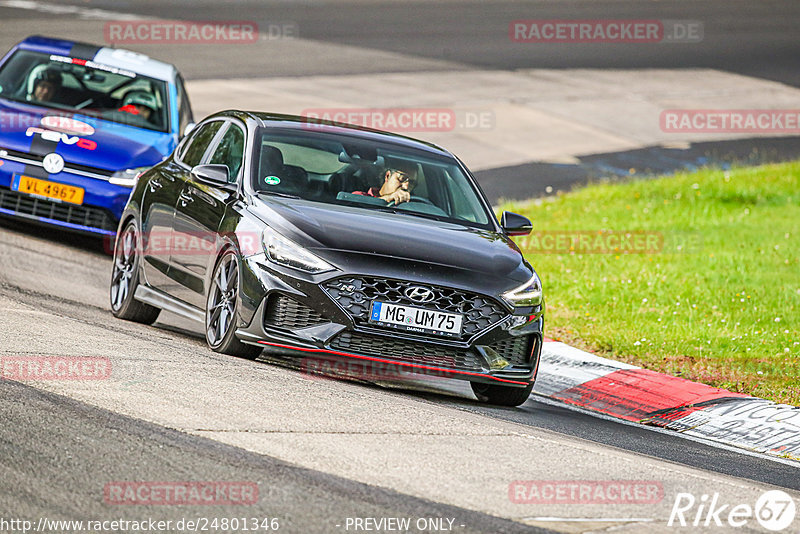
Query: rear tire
{"type": "Point", "coordinates": [501, 395]}
{"type": "Point", "coordinates": [222, 311]}
{"type": "Point", "coordinates": [125, 280]}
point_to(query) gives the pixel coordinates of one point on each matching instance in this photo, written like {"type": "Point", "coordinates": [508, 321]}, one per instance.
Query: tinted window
{"type": "Point", "coordinates": [199, 143]}
{"type": "Point", "coordinates": [230, 151]}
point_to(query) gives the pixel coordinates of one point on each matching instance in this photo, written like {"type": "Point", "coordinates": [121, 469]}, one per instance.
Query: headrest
{"type": "Point", "coordinates": [271, 159]}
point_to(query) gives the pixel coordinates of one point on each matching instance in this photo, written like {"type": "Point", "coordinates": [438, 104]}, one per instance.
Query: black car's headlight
{"type": "Point", "coordinates": [528, 294]}
{"type": "Point", "coordinates": [288, 253]}
{"type": "Point", "coordinates": [127, 177]}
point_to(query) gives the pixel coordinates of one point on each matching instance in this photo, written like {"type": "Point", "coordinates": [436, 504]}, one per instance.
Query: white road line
{"type": "Point", "coordinates": [591, 519]}
{"type": "Point", "coordinates": [80, 12]}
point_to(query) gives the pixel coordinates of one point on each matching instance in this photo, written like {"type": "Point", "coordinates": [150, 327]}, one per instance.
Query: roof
{"type": "Point", "coordinates": [300, 122]}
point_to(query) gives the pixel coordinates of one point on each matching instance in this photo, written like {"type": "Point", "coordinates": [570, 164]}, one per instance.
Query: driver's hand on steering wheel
{"type": "Point", "coordinates": [399, 196]}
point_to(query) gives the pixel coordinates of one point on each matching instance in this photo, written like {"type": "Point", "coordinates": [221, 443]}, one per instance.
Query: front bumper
{"type": "Point", "coordinates": [102, 205]}
{"type": "Point", "coordinates": [304, 315]}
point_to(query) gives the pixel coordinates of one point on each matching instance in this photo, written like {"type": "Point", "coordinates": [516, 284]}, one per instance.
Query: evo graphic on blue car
{"type": "Point", "coordinates": [78, 123]}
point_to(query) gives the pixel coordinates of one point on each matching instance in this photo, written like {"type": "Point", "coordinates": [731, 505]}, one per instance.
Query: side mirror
{"type": "Point", "coordinates": [515, 224]}
{"type": "Point", "coordinates": [217, 175]}
{"type": "Point", "coordinates": [189, 128]}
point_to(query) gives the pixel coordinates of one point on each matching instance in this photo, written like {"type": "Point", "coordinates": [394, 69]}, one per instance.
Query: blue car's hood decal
{"type": "Point", "coordinates": [111, 146]}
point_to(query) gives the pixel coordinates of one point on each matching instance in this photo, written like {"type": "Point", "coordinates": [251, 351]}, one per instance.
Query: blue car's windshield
{"type": "Point", "coordinates": [82, 86]}
{"type": "Point", "coordinates": [340, 169]}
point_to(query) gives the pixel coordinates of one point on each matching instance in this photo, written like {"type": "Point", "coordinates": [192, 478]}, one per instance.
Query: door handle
{"type": "Point", "coordinates": [185, 199]}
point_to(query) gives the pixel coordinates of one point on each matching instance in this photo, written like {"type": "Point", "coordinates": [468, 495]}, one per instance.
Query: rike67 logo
{"type": "Point", "coordinates": [774, 510]}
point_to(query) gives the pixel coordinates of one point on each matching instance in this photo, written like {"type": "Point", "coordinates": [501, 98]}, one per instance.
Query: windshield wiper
{"type": "Point", "coordinates": [413, 213]}
{"type": "Point", "coordinates": [279, 194]}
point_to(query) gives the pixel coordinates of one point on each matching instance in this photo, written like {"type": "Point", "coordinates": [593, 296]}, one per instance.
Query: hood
{"type": "Point", "coordinates": [330, 230]}
{"type": "Point", "coordinates": [106, 145]}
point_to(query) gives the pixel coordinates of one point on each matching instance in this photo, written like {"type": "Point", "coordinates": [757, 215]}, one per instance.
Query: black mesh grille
{"type": "Point", "coordinates": [407, 351]}
{"type": "Point", "coordinates": [70, 213]}
{"type": "Point", "coordinates": [355, 295]}
{"type": "Point", "coordinates": [514, 350]}
{"type": "Point", "coordinates": [285, 312]}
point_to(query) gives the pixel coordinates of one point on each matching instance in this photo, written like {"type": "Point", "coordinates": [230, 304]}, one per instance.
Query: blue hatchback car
{"type": "Point", "coordinates": [78, 124]}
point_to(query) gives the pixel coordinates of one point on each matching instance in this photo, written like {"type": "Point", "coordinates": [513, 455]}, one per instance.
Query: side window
{"type": "Point", "coordinates": [197, 146]}
{"type": "Point", "coordinates": [185, 116]}
{"type": "Point", "coordinates": [230, 151]}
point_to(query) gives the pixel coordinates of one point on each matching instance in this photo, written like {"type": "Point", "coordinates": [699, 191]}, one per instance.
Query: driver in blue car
{"type": "Point", "coordinates": [46, 86]}
{"type": "Point", "coordinates": [398, 183]}
{"type": "Point", "coordinates": [142, 104]}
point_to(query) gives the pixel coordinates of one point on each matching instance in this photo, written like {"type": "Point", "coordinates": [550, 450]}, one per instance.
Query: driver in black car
{"type": "Point", "coordinates": [398, 183]}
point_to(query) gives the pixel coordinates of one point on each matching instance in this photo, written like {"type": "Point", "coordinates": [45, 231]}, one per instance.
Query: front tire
{"type": "Point", "coordinates": [222, 310]}
{"type": "Point", "coordinates": [125, 280]}
{"type": "Point", "coordinates": [501, 395]}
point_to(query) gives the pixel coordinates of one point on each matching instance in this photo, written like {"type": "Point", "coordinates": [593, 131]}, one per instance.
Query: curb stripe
{"type": "Point", "coordinates": [635, 394]}
{"type": "Point", "coordinates": [692, 409]}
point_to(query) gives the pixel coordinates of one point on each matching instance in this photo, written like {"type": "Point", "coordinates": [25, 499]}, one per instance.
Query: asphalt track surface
{"type": "Point", "coordinates": [51, 443]}
{"type": "Point", "coordinates": [752, 38]}
{"type": "Point", "coordinates": [56, 451]}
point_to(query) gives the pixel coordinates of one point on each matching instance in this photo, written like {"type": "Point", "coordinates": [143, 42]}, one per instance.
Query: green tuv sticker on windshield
{"type": "Point", "coordinates": [272, 180]}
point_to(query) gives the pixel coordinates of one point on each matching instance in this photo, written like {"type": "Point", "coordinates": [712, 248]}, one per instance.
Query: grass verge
{"type": "Point", "coordinates": [695, 275]}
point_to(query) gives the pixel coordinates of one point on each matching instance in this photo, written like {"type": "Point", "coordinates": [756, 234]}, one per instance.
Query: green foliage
{"type": "Point", "coordinates": [717, 302]}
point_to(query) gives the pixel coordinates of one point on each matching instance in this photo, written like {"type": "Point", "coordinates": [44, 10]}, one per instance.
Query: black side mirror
{"type": "Point", "coordinates": [515, 224]}
{"type": "Point", "coordinates": [212, 174]}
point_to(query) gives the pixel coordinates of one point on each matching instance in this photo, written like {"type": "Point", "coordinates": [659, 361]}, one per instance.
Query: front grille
{"type": "Point", "coordinates": [285, 312]}
{"type": "Point", "coordinates": [355, 295]}
{"type": "Point", "coordinates": [23, 155]}
{"type": "Point", "coordinates": [69, 213]}
{"type": "Point", "coordinates": [34, 159]}
{"type": "Point", "coordinates": [408, 351]}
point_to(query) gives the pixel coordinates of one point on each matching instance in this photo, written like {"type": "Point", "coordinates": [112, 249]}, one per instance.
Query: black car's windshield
{"type": "Point", "coordinates": [337, 168]}
{"type": "Point", "coordinates": [82, 86]}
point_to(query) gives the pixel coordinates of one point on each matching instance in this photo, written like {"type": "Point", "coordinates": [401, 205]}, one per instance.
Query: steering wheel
{"type": "Point", "coordinates": [424, 200]}
{"type": "Point", "coordinates": [84, 103]}
{"type": "Point", "coordinates": [414, 198]}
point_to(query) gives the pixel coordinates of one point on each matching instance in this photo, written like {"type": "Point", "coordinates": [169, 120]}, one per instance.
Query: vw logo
{"type": "Point", "coordinates": [419, 294]}
{"type": "Point", "coordinates": [53, 163]}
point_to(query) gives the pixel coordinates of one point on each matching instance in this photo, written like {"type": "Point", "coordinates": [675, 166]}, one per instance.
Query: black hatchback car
{"type": "Point", "coordinates": [277, 231]}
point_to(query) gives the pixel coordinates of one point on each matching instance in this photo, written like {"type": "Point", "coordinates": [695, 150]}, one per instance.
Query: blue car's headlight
{"type": "Point", "coordinates": [127, 177]}
{"type": "Point", "coordinates": [528, 294]}
{"type": "Point", "coordinates": [288, 253]}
